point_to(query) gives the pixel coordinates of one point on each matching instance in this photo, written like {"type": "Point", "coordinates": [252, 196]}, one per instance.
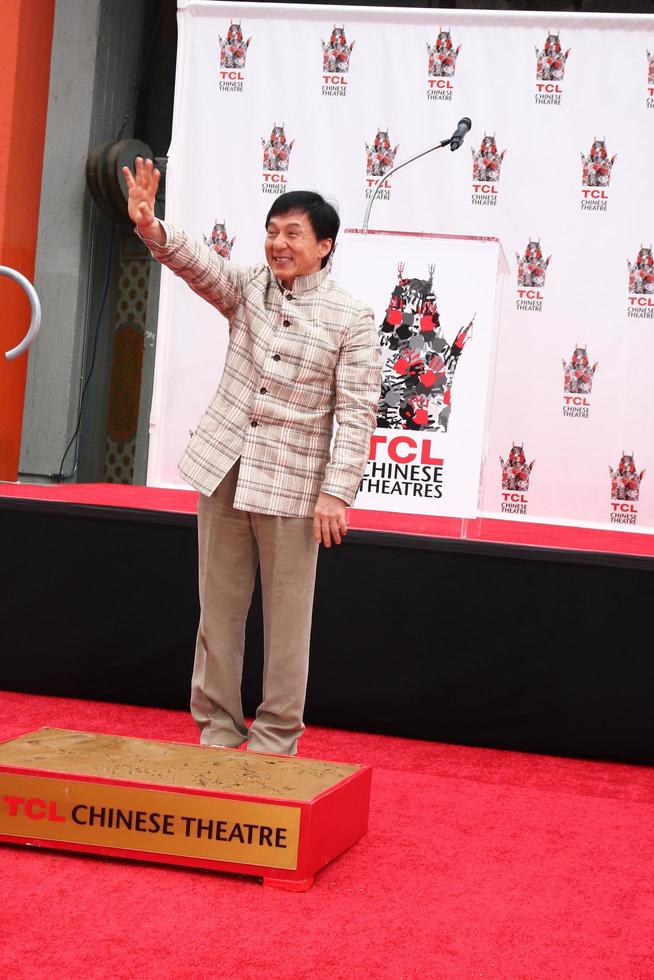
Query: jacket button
{"type": "Point", "coordinates": [254, 423]}
{"type": "Point", "coordinates": [277, 357]}
{"type": "Point", "coordinates": [263, 391]}
{"type": "Point", "coordinates": [287, 323]}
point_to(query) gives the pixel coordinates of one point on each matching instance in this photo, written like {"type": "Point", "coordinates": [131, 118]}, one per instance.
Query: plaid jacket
{"type": "Point", "coordinates": [294, 361]}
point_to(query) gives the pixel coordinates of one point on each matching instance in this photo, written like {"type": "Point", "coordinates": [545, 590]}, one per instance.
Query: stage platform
{"type": "Point", "coordinates": [491, 633]}
{"type": "Point", "coordinates": [179, 506]}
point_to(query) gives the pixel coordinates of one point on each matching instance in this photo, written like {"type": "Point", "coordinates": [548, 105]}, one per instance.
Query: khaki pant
{"type": "Point", "coordinates": [232, 543]}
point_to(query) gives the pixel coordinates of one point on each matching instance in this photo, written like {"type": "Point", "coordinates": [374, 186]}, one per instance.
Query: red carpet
{"type": "Point", "coordinates": [477, 864]}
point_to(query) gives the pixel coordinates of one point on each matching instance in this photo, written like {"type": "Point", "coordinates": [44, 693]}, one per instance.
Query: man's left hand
{"type": "Point", "coordinates": [329, 522]}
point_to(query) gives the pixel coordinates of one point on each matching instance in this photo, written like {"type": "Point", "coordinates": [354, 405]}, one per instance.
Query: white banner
{"type": "Point", "coordinates": [557, 166]}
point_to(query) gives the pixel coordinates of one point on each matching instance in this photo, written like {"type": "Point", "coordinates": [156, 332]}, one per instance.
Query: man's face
{"type": "Point", "coordinates": [292, 248]}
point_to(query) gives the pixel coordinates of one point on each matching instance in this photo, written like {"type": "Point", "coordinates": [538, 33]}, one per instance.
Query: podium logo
{"type": "Point", "coordinates": [380, 159]}
{"type": "Point", "coordinates": [596, 177]}
{"type": "Point", "coordinates": [650, 80]}
{"type": "Point", "coordinates": [336, 55]}
{"type": "Point", "coordinates": [218, 240]}
{"type": "Point", "coordinates": [532, 269]}
{"type": "Point", "coordinates": [625, 490]}
{"type": "Point", "coordinates": [550, 69]}
{"type": "Point", "coordinates": [34, 808]}
{"type": "Point", "coordinates": [577, 383]}
{"type": "Point", "coordinates": [486, 167]}
{"type": "Point", "coordinates": [404, 465]}
{"type": "Point", "coordinates": [441, 66]}
{"type": "Point", "coordinates": [641, 285]}
{"type": "Point", "coordinates": [233, 52]}
{"type": "Point", "coordinates": [150, 821]}
{"type": "Point", "coordinates": [419, 364]}
{"type": "Point", "coordinates": [276, 156]}
{"type": "Point", "coordinates": [515, 481]}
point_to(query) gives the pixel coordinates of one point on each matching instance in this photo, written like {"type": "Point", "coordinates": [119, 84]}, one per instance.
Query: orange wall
{"type": "Point", "coordinates": [25, 43]}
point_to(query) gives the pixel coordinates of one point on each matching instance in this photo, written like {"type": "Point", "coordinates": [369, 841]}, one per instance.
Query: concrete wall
{"type": "Point", "coordinates": [96, 60]}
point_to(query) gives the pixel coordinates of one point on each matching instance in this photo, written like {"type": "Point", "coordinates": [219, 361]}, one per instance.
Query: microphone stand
{"type": "Point", "coordinates": [393, 171]}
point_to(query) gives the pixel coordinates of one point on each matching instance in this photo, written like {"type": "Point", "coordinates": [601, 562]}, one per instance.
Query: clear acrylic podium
{"type": "Point", "coordinates": [436, 300]}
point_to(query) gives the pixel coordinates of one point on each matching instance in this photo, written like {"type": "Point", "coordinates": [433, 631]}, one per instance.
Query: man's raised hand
{"type": "Point", "coordinates": [142, 190]}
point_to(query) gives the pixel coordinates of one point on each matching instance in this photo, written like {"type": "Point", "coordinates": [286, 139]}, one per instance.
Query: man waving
{"type": "Point", "coordinates": [273, 485]}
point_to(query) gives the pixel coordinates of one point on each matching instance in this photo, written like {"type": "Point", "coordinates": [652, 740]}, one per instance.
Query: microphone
{"type": "Point", "coordinates": [455, 141]}
{"type": "Point", "coordinates": [459, 133]}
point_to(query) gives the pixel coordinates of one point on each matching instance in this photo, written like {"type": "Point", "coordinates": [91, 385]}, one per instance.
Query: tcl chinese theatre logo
{"type": "Point", "coordinates": [516, 473]}
{"type": "Point", "coordinates": [380, 160]}
{"type": "Point", "coordinates": [625, 490]}
{"type": "Point", "coordinates": [641, 285]}
{"type": "Point", "coordinates": [532, 270]}
{"type": "Point", "coordinates": [441, 67]}
{"type": "Point", "coordinates": [596, 177]}
{"type": "Point", "coordinates": [486, 168]}
{"type": "Point", "coordinates": [233, 53]}
{"type": "Point", "coordinates": [276, 159]}
{"type": "Point", "coordinates": [551, 60]}
{"type": "Point", "coordinates": [336, 54]}
{"type": "Point", "coordinates": [416, 394]}
{"type": "Point", "coordinates": [578, 374]}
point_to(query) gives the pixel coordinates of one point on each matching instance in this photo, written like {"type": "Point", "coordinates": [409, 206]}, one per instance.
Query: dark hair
{"type": "Point", "coordinates": [323, 216]}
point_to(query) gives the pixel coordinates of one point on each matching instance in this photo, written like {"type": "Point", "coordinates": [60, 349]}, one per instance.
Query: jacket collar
{"type": "Point", "coordinates": [303, 284]}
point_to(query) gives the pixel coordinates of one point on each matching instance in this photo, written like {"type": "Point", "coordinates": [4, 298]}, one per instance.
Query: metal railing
{"type": "Point", "coordinates": [35, 304]}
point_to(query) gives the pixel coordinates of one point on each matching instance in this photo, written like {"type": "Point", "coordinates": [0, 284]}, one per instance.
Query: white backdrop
{"type": "Point", "coordinates": [531, 186]}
